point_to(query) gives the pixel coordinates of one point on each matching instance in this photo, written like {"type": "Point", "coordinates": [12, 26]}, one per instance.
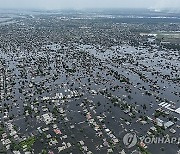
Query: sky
{"type": "Point", "coordinates": [78, 4]}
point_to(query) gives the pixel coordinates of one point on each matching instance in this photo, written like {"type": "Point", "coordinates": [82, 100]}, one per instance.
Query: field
{"type": "Point", "coordinates": [171, 37]}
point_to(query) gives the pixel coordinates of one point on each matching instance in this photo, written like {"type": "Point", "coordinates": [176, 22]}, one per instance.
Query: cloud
{"type": "Point", "coordinates": [167, 4]}
{"type": "Point", "coordinates": [57, 4]}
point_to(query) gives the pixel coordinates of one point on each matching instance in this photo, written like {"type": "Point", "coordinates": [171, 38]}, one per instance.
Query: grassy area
{"type": "Point", "coordinates": [29, 143]}
{"type": "Point", "coordinates": [172, 37]}
{"type": "Point", "coordinates": [143, 150]}
{"type": "Point", "coordinates": [1, 130]}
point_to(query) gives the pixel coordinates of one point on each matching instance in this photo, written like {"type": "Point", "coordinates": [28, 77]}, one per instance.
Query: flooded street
{"type": "Point", "coordinates": [77, 83]}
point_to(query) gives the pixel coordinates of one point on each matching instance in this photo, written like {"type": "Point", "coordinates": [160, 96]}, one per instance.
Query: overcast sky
{"type": "Point", "coordinates": [58, 4]}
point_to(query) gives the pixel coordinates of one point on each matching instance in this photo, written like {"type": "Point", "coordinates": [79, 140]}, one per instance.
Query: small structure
{"type": "Point", "coordinates": [47, 118]}
{"type": "Point", "coordinates": [168, 124]}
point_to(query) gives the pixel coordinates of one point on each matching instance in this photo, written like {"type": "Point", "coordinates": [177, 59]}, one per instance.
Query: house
{"type": "Point", "coordinates": [16, 152]}
{"type": "Point", "coordinates": [47, 118]}
{"type": "Point", "coordinates": [159, 122]}
{"type": "Point", "coordinates": [172, 130]}
{"type": "Point", "coordinates": [168, 124]}
{"type": "Point", "coordinates": [81, 143]}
